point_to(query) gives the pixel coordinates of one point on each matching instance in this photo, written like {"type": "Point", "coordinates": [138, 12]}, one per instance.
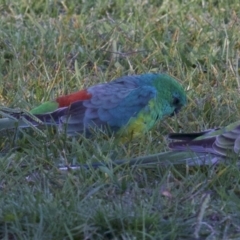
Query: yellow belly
{"type": "Point", "coordinates": [136, 126]}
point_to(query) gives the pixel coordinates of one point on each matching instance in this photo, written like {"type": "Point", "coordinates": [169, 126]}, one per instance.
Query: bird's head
{"type": "Point", "coordinates": [171, 94]}
{"type": "Point", "coordinates": [177, 102]}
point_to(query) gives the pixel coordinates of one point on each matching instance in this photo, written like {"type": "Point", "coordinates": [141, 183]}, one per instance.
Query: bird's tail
{"type": "Point", "coordinates": [10, 123]}
{"type": "Point", "coordinates": [163, 159]}
{"type": "Point", "coordinates": [12, 118]}
{"type": "Point", "coordinates": [202, 142]}
{"type": "Point", "coordinates": [16, 119]}
{"type": "Point", "coordinates": [186, 136]}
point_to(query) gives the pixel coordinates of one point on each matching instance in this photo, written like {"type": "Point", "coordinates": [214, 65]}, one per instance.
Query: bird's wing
{"type": "Point", "coordinates": [111, 105]}
{"type": "Point", "coordinates": [217, 141]}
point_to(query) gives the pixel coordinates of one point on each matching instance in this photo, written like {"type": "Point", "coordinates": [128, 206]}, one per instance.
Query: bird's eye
{"type": "Point", "coordinates": [176, 101]}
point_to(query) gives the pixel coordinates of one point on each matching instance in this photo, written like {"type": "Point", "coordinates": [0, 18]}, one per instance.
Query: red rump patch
{"type": "Point", "coordinates": [65, 101]}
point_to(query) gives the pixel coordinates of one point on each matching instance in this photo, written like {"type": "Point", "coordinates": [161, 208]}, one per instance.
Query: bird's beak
{"type": "Point", "coordinates": [177, 109]}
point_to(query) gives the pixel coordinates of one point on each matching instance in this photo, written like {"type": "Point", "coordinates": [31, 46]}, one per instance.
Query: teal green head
{"type": "Point", "coordinates": [173, 94]}
{"type": "Point", "coordinates": [170, 97]}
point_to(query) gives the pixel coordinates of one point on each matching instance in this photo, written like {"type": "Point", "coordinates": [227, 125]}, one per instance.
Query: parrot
{"type": "Point", "coordinates": [219, 142]}
{"type": "Point", "coordinates": [128, 106]}
{"type": "Point", "coordinates": [209, 147]}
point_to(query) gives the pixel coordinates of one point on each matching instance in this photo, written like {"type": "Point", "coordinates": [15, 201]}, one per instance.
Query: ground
{"type": "Point", "coordinates": [49, 48]}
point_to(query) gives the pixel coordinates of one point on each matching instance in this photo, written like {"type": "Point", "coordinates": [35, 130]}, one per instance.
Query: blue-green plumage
{"type": "Point", "coordinates": [129, 105]}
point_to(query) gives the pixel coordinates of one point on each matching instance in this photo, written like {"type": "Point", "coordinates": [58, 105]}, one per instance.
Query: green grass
{"type": "Point", "coordinates": [49, 48]}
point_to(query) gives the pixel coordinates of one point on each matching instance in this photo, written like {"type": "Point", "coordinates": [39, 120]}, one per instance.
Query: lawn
{"type": "Point", "coordinates": [50, 48]}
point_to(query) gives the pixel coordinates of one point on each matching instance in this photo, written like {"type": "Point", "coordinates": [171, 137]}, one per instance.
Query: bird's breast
{"type": "Point", "coordinates": [136, 126]}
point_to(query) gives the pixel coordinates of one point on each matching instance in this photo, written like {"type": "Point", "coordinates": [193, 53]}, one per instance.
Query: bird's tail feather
{"type": "Point", "coordinates": [202, 145]}
{"type": "Point", "coordinates": [186, 136]}
{"type": "Point", "coordinates": [164, 159]}
{"type": "Point", "coordinates": [23, 119]}
{"type": "Point", "coordinates": [10, 123]}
